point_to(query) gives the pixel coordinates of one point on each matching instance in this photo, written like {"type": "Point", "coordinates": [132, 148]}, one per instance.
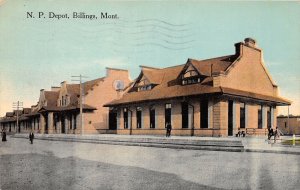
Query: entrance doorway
{"type": "Point", "coordinates": [168, 114]}
{"type": "Point", "coordinates": [112, 120]}
{"type": "Point", "coordinates": [185, 114]}
{"type": "Point", "coordinates": [230, 118]}
{"type": "Point", "coordinates": [204, 114]}
{"type": "Point", "coordinates": [63, 130]}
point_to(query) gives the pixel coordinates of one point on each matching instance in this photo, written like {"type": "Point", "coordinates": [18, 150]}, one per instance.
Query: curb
{"type": "Point", "coordinates": [185, 146]}
{"type": "Point", "coordinates": [272, 151]}
{"type": "Point", "coordinates": [148, 144]}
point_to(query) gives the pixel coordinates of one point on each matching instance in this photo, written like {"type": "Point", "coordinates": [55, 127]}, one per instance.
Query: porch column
{"type": "Point", "coordinates": [50, 123]}
{"type": "Point", "coordinates": [78, 124]}
{"type": "Point", "coordinates": [210, 114]}
{"type": "Point", "coordinates": [264, 117]}
{"type": "Point", "coordinates": [234, 108]}
{"type": "Point", "coordinates": [119, 118]}
{"type": "Point", "coordinates": [246, 115]}
{"type": "Point", "coordinates": [58, 125]}
{"type": "Point", "coordinates": [32, 124]}
{"type": "Point", "coordinates": [67, 124]}
{"type": "Point", "coordinates": [272, 117]}
{"type": "Point", "coordinates": [42, 124]}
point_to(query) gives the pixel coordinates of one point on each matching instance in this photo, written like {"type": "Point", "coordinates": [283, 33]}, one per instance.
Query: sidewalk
{"type": "Point", "coordinates": [232, 144]}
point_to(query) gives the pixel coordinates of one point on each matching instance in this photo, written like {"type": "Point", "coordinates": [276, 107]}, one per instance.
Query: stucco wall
{"type": "Point", "coordinates": [248, 74]}
{"type": "Point", "coordinates": [101, 94]}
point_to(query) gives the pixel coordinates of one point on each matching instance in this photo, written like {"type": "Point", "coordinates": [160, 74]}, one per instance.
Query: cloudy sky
{"type": "Point", "coordinates": [37, 53]}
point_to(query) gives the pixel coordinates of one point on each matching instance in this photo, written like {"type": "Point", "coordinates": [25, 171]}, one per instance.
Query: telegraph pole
{"type": "Point", "coordinates": [81, 99]}
{"type": "Point", "coordinates": [17, 105]}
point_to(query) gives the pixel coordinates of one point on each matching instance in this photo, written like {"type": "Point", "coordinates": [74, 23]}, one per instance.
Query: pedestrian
{"type": "Point", "coordinates": [31, 137]}
{"type": "Point", "coordinates": [169, 128]}
{"type": "Point", "coordinates": [238, 133]}
{"type": "Point", "coordinates": [270, 130]}
{"type": "Point", "coordinates": [3, 135]}
{"type": "Point", "coordinates": [275, 134]}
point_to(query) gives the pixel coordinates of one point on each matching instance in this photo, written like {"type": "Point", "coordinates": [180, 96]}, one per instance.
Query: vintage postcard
{"type": "Point", "coordinates": [166, 94]}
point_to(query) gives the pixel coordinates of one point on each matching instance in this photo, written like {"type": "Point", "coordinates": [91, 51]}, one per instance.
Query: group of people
{"type": "Point", "coordinates": [240, 133]}
{"type": "Point", "coordinates": [3, 133]}
{"type": "Point", "coordinates": [271, 133]}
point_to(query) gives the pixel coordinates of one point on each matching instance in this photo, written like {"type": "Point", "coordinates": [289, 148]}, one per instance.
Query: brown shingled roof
{"type": "Point", "coordinates": [66, 108]}
{"type": "Point", "coordinates": [9, 114]}
{"type": "Point", "coordinates": [214, 65]}
{"type": "Point", "coordinates": [235, 92]}
{"type": "Point", "coordinates": [51, 97]}
{"type": "Point", "coordinates": [26, 110]}
{"type": "Point", "coordinates": [169, 87]}
{"type": "Point", "coordinates": [154, 76]}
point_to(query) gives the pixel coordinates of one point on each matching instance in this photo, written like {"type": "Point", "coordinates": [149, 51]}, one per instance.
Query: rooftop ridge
{"type": "Point", "coordinates": [148, 67]}
{"type": "Point", "coordinates": [110, 68]}
{"type": "Point", "coordinates": [211, 58]}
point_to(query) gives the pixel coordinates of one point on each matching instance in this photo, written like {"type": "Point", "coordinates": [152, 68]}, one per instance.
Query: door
{"type": "Point", "coordinates": [112, 122]}
{"type": "Point", "coordinates": [63, 130]}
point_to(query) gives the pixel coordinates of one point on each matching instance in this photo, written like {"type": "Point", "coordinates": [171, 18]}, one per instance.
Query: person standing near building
{"type": "Point", "coordinates": [31, 137]}
{"type": "Point", "coordinates": [169, 128]}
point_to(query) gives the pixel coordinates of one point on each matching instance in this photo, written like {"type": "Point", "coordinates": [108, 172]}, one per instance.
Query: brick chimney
{"type": "Point", "coordinates": [250, 42]}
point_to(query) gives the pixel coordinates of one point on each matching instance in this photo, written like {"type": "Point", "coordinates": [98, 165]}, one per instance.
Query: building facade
{"type": "Point", "coordinates": [212, 97]}
{"type": "Point", "coordinates": [58, 110]}
{"type": "Point", "coordinates": [289, 125]}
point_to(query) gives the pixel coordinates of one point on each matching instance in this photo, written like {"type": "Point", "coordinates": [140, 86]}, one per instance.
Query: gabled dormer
{"type": "Point", "coordinates": [68, 94]}
{"type": "Point", "coordinates": [143, 84]}
{"type": "Point", "coordinates": [42, 99]}
{"type": "Point", "coordinates": [147, 80]}
{"type": "Point", "coordinates": [190, 75]}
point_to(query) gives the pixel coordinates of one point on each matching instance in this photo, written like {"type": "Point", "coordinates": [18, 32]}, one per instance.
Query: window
{"type": "Point", "coordinates": [146, 87]}
{"type": "Point", "coordinates": [204, 114]}
{"type": "Point", "coordinates": [152, 117]}
{"type": "Point", "coordinates": [259, 112]}
{"type": "Point", "coordinates": [242, 115]}
{"type": "Point", "coordinates": [139, 117]}
{"type": "Point", "coordinates": [125, 112]}
{"type": "Point", "coordinates": [143, 85]}
{"type": "Point", "coordinates": [168, 114]}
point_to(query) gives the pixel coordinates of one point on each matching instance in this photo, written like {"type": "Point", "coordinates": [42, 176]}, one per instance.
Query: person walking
{"type": "Point", "coordinates": [31, 137]}
{"type": "Point", "coordinates": [275, 134]}
{"type": "Point", "coordinates": [169, 128]}
{"type": "Point", "coordinates": [3, 135]}
{"type": "Point", "coordinates": [270, 134]}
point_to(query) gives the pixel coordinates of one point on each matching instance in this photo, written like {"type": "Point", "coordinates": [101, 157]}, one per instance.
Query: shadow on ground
{"type": "Point", "coordinates": [39, 171]}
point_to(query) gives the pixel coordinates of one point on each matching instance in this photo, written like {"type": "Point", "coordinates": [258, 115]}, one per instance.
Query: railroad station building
{"type": "Point", "coordinates": [211, 97]}
{"type": "Point", "coordinates": [58, 110]}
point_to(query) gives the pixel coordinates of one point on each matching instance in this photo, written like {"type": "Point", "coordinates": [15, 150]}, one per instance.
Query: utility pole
{"type": "Point", "coordinates": [288, 119]}
{"type": "Point", "coordinates": [81, 99]}
{"type": "Point", "coordinates": [17, 105]}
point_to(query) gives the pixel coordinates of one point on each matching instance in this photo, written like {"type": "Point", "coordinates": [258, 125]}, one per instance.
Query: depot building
{"type": "Point", "coordinates": [211, 97]}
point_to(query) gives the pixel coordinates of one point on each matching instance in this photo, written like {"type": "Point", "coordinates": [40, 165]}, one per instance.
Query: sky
{"type": "Point", "coordinates": [37, 53]}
